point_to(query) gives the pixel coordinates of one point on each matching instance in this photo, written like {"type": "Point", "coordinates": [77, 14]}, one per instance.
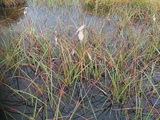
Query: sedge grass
{"type": "Point", "coordinates": [121, 69]}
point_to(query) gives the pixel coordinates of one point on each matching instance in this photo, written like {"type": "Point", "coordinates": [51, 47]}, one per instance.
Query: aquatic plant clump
{"type": "Point", "coordinates": [63, 63]}
{"type": "Point", "coordinates": [104, 6]}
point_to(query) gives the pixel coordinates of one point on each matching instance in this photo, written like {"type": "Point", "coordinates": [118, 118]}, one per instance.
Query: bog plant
{"type": "Point", "coordinates": [103, 7]}
{"type": "Point", "coordinates": [63, 69]}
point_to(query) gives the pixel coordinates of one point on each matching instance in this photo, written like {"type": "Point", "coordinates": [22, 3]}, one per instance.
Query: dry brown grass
{"type": "Point", "coordinates": [12, 2]}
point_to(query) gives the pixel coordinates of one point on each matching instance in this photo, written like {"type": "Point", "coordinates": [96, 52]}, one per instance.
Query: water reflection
{"type": "Point", "coordinates": [93, 98]}
{"type": "Point", "coordinates": [86, 91]}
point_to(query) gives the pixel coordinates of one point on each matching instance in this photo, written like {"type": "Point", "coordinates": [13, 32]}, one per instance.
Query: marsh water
{"type": "Point", "coordinates": [41, 19]}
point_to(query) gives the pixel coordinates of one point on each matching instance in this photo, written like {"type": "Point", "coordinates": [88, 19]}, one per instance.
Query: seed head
{"type": "Point", "coordinates": [80, 28]}
{"type": "Point", "coordinates": [154, 18]}
{"type": "Point", "coordinates": [81, 35]}
{"type": "Point", "coordinates": [89, 56]}
{"type": "Point", "coordinates": [25, 11]}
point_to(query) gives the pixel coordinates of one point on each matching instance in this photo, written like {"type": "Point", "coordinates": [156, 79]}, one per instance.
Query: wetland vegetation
{"type": "Point", "coordinates": [50, 70]}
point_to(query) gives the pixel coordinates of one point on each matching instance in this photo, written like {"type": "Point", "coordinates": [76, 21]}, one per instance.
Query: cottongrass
{"type": "Point", "coordinates": [89, 56]}
{"type": "Point", "coordinates": [80, 33]}
{"type": "Point", "coordinates": [154, 18]}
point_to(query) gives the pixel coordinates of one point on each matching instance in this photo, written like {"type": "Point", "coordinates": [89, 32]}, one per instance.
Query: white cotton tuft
{"type": "Point", "coordinates": [154, 18]}
{"type": "Point", "coordinates": [25, 11]}
{"type": "Point", "coordinates": [89, 56]}
{"type": "Point", "coordinates": [72, 52]}
{"type": "Point", "coordinates": [80, 28]}
{"type": "Point", "coordinates": [81, 35]}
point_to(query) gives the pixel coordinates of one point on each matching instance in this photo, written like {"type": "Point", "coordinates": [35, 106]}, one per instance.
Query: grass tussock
{"type": "Point", "coordinates": [66, 75]}
{"type": "Point", "coordinates": [10, 3]}
{"type": "Point", "coordinates": [56, 3]}
{"type": "Point", "coordinates": [103, 7]}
